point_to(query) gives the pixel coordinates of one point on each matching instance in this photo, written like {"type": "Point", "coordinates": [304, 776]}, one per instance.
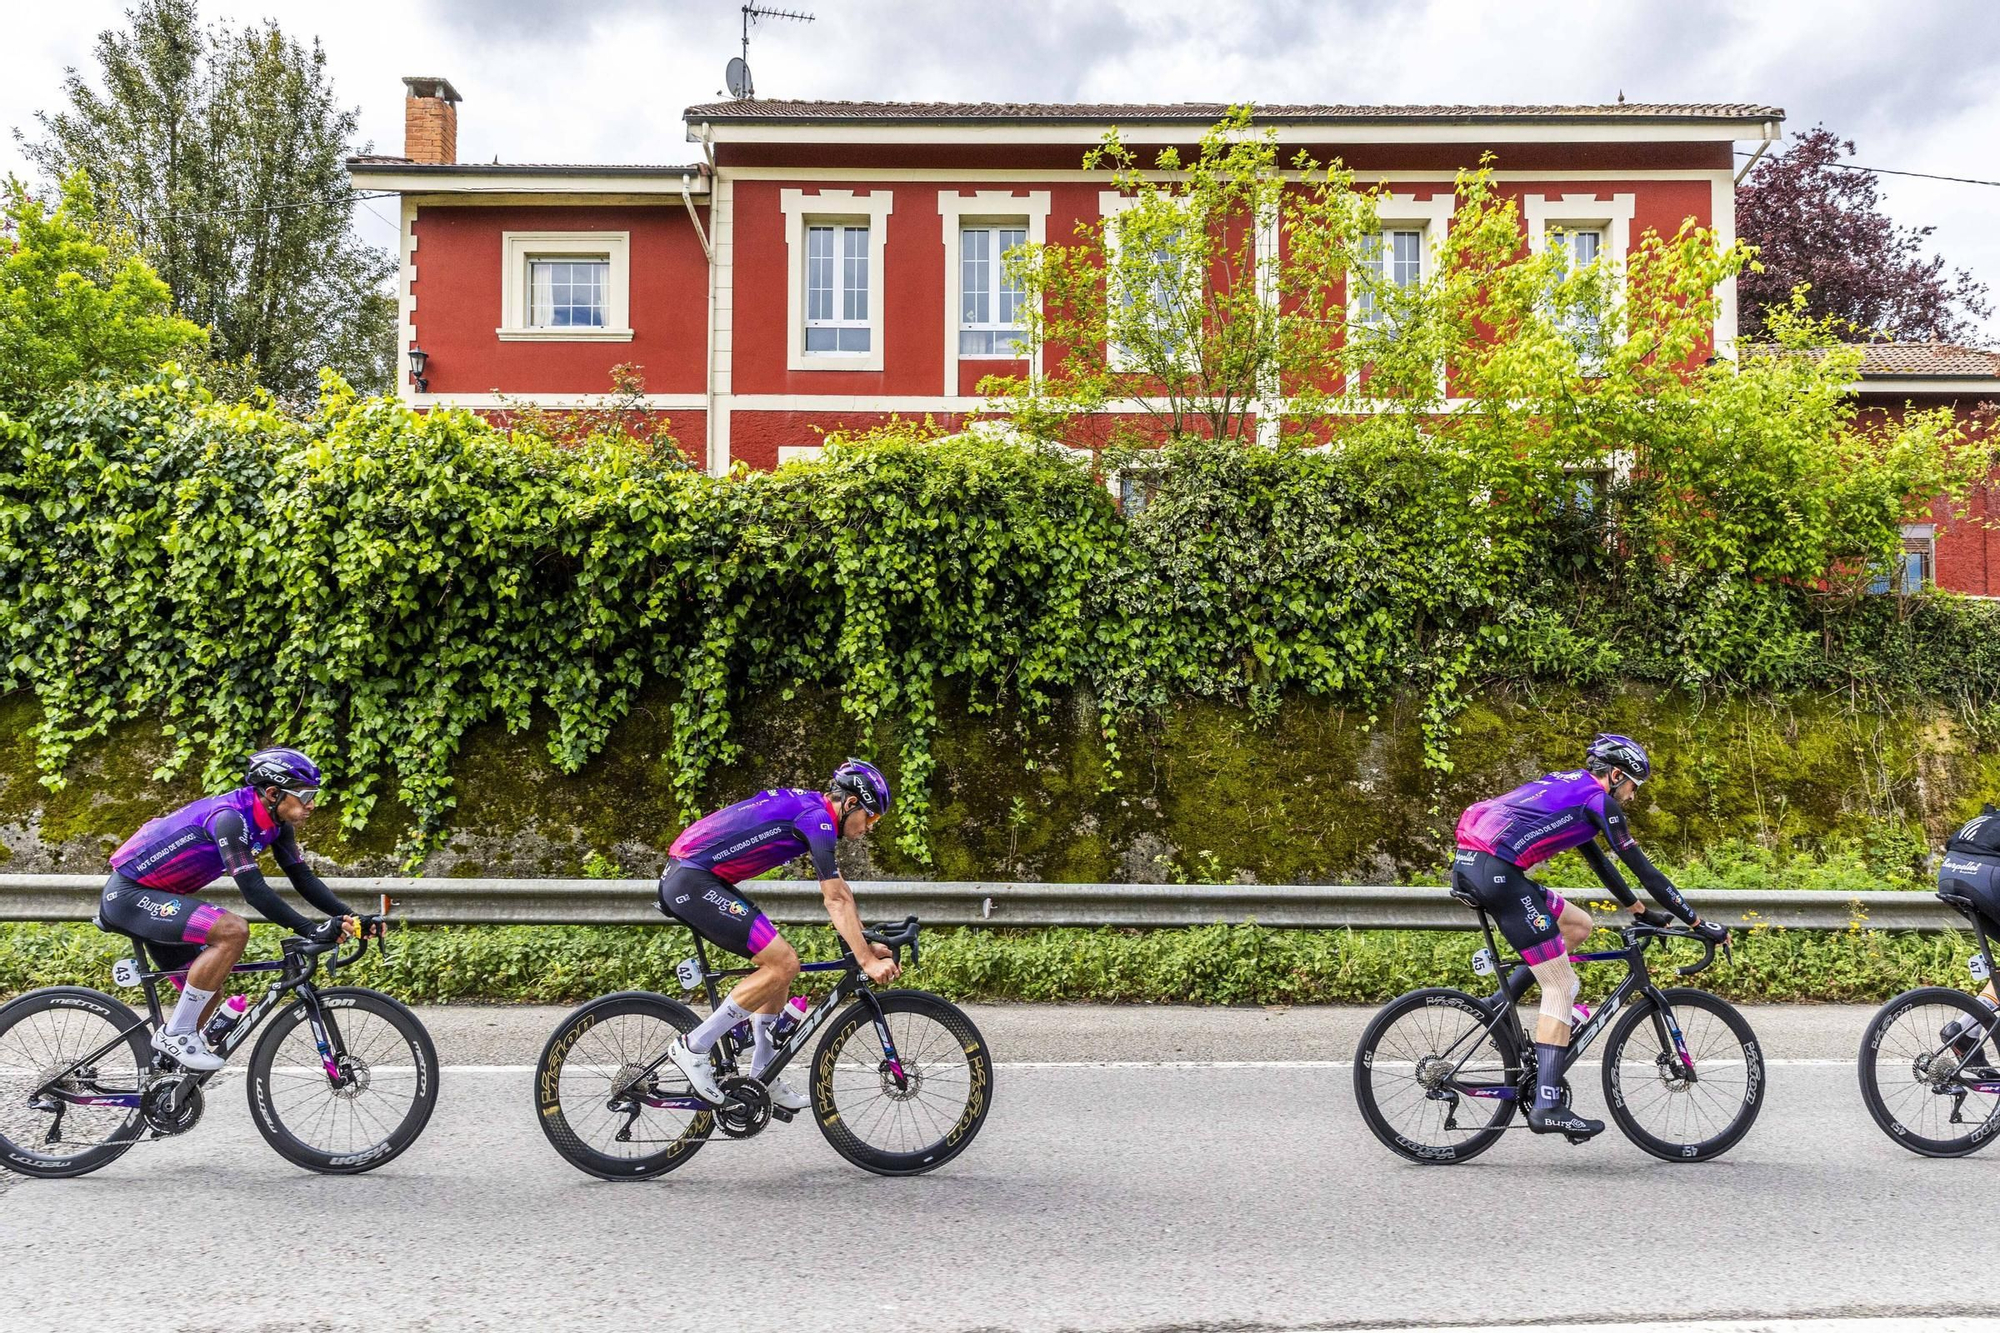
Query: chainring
{"type": "Point", "coordinates": [745, 1109]}
{"type": "Point", "coordinates": [156, 1105]}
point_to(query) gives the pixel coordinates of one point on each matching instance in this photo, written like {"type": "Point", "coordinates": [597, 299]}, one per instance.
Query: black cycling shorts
{"type": "Point", "coordinates": [174, 926]}
{"type": "Point", "coordinates": [1976, 876]}
{"type": "Point", "coordinates": [715, 909]}
{"type": "Point", "coordinates": [1525, 911]}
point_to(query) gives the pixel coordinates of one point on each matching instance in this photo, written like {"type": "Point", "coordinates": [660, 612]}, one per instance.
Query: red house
{"type": "Point", "coordinates": [828, 264]}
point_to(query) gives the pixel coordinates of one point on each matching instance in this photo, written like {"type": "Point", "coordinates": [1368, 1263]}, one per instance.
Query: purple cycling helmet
{"type": "Point", "coordinates": [1620, 752]}
{"type": "Point", "coordinates": [281, 767]}
{"type": "Point", "coordinates": [863, 780]}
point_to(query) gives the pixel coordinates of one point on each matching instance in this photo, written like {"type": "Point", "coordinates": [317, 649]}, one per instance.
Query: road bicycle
{"type": "Point", "coordinates": [1440, 1073]}
{"type": "Point", "coordinates": [1935, 1096]}
{"type": "Point", "coordinates": [342, 1080]}
{"type": "Point", "coordinates": [900, 1084]}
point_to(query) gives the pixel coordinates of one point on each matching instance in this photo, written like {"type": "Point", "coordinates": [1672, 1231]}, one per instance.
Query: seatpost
{"type": "Point", "coordinates": [707, 977]}
{"type": "Point", "coordinates": [1985, 945]}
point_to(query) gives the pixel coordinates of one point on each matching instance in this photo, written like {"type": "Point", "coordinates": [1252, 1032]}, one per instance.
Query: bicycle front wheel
{"type": "Point", "coordinates": [595, 1106]}
{"type": "Point", "coordinates": [1686, 1081]}
{"type": "Point", "coordinates": [1433, 1082]}
{"type": "Point", "coordinates": [1924, 1095]}
{"type": "Point", "coordinates": [909, 1106]}
{"type": "Point", "coordinates": [357, 1105]}
{"type": "Point", "coordinates": [45, 1037]}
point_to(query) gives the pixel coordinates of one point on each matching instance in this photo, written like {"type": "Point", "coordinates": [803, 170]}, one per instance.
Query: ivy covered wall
{"type": "Point", "coordinates": [1313, 795]}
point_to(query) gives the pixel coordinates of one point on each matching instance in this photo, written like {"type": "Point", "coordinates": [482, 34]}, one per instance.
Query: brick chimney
{"type": "Point", "coordinates": [430, 121]}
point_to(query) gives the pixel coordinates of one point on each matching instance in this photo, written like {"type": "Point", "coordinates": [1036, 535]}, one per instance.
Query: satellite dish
{"type": "Point", "coordinates": [738, 77]}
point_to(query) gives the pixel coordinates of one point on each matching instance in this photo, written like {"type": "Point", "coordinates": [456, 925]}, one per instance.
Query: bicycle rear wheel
{"type": "Point", "coordinates": [912, 1112]}
{"type": "Point", "coordinates": [1914, 1087]}
{"type": "Point", "coordinates": [594, 1109]}
{"type": "Point", "coordinates": [42, 1034]}
{"type": "Point", "coordinates": [1691, 1101]}
{"type": "Point", "coordinates": [356, 1109]}
{"type": "Point", "coordinates": [1414, 1056]}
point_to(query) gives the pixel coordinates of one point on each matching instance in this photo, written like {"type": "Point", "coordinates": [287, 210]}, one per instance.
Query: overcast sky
{"type": "Point", "coordinates": [1913, 84]}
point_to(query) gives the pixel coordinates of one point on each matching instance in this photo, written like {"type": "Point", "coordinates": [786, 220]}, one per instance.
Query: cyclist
{"type": "Point", "coordinates": [700, 889]}
{"type": "Point", "coordinates": [1971, 869]}
{"type": "Point", "coordinates": [1498, 840]}
{"type": "Point", "coordinates": [156, 874]}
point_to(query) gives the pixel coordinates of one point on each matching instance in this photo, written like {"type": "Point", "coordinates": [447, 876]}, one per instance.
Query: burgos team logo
{"type": "Point", "coordinates": [160, 910]}
{"type": "Point", "coordinates": [733, 906]}
{"type": "Point", "coordinates": [1535, 914]}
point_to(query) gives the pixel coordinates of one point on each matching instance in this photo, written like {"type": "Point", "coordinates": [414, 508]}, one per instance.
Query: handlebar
{"type": "Point", "coordinates": [374, 926]}
{"type": "Point", "coordinates": [1635, 933]}
{"type": "Point", "coordinates": [897, 938]}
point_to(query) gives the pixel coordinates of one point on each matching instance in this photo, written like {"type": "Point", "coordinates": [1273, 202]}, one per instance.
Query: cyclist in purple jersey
{"type": "Point", "coordinates": [1499, 839]}
{"type": "Point", "coordinates": [159, 869]}
{"type": "Point", "coordinates": [700, 889]}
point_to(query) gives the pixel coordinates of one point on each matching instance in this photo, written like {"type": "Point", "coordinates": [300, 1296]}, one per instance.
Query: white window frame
{"type": "Point", "coordinates": [838, 207]}
{"type": "Point", "coordinates": [1110, 204]}
{"type": "Point", "coordinates": [981, 208]}
{"type": "Point", "coordinates": [1585, 212]}
{"type": "Point", "coordinates": [1406, 212]}
{"type": "Point", "coordinates": [519, 248]}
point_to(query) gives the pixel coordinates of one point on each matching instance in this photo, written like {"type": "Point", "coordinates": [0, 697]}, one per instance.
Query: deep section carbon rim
{"type": "Point", "coordinates": [356, 1109]}
{"type": "Point", "coordinates": [911, 1113]}
{"type": "Point", "coordinates": [43, 1035]}
{"type": "Point", "coordinates": [1692, 1102]}
{"type": "Point", "coordinates": [1918, 1090]}
{"type": "Point", "coordinates": [593, 1105]}
{"type": "Point", "coordinates": [1420, 1049]}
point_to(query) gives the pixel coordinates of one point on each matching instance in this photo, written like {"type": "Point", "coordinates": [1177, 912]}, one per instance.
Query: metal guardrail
{"type": "Point", "coordinates": [633, 902]}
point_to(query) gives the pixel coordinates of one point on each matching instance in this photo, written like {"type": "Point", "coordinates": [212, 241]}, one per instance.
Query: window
{"type": "Point", "coordinates": [1395, 257]}
{"type": "Point", "coordinates": [565, 286]}
{"type": "Point", "coordinates": [989, 315]}
{"type": "Point", "coordinates": [567, 293]}
{"type": "Point", "coordinates": [1914, 569]}
{"type": "Point", "coordinates": [834, 245]}
{"type": "Point", "coordinates": [837, 289]}
{"type": "Point", "coordinates": [1168, 297]}
{"type": "Point", "coordinates": [1136, 488]}
{"type": "Point", "coordinates": [1578, 248]}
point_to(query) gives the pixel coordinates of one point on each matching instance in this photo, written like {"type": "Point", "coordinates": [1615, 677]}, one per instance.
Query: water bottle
{"type": "Point", "coordinates": [227, 1015]}
{"type": "Point", "coordinates": [789, 1018]}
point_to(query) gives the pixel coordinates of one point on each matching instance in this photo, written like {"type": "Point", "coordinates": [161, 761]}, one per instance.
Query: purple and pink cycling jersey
{"type": "Point", "coordinates": [741, 841]}
{"type": "Point", "coordinates": [1538, 819]}
{"type": "Point", "coordinates": [185, 851]}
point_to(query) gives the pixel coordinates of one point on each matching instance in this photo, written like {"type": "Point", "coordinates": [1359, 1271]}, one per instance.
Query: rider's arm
{"type": "Point", "coordinates": [1613, 881]}
{"type": "Point", "coordinates": [840, 908]}
{"type": "Point", "coordinates": [1618, 832]}
{"type": "Point", "coordinates": [309, 885]}
{"type": "Point", "coordinates": [233, 839]}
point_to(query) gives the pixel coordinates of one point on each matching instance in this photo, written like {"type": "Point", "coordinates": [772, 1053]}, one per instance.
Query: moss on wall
{"type": "Point", "coordinates": [1316, 793]}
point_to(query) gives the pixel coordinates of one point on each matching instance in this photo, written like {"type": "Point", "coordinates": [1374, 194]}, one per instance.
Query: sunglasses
{"type": "Point", "coordinates": [310, 795]}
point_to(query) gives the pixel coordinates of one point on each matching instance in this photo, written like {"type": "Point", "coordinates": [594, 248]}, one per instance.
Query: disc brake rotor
{"type": "Point", "coordinates": [356, 1076]}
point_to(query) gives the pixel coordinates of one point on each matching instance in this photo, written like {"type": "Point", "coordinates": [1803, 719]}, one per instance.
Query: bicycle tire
{"type": "Point", "coordinates": [116, 1016]}
{"type": "Point", "coordinates": [1868, 1068]}
{"type": "Point", "coordinates": [268, 1100]}
{"type": "Point", "coordinates": [1371, 1063]}
{"type": "Point", "coordinates": [924, 1060]}
{"type": "Point", "coordinates": [555, 1118]}
{"type": "Point", "coordinates": [1618, 1093]}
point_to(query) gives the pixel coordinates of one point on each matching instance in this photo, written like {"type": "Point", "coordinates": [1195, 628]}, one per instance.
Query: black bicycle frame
{"type": "Point", "coordinates": [1971, 912]}
{"type": "Point", "coordinates": [852, 983]}
{"type": "Point", "coordinates": [1638, 978]}
{"type": "Point", "coordinates": [326, 1032]}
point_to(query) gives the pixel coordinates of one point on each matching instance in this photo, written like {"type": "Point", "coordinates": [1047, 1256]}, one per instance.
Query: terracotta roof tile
{"type": "Point", "coordinates": [1202, 112]}
{"type": "Point", "coordinates": [1916, 360]}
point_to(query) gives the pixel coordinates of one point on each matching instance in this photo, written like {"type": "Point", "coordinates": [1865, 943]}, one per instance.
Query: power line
{"type": "Point", "coordinates": [1885, 171]}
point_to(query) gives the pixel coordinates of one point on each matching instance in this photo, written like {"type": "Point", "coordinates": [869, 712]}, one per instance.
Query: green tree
{"type": "Point", "coordinates": [75, 298]}
{"type": "Point", "coordinates": [223, 153]}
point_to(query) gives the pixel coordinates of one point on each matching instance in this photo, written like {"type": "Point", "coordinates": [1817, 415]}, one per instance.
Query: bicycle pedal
{"type": "Point", "coordinates": [781, 1114]}
{"type": "Point", "coordinates": [1579, 1138]}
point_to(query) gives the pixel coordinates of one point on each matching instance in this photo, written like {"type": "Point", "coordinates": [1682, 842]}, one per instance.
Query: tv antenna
{"type": "Point", "coordinates": [738, 77]}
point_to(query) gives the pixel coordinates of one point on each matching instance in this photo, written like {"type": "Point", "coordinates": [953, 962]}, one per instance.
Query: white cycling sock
{"type": "Point", "coordinates": [760, 1027]}
{"type": "Point", "coordinates": [726, 1016]}
{"type": "Point", "coordinates": [187, 1014]}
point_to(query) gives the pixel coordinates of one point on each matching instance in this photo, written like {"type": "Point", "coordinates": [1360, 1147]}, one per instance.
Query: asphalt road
{"type": "Point", "coordinates": [1195, 1194]}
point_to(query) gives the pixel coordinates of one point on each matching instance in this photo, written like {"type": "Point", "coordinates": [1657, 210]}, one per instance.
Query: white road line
{"type": "Point", "coordinates": [1883, 1324]}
